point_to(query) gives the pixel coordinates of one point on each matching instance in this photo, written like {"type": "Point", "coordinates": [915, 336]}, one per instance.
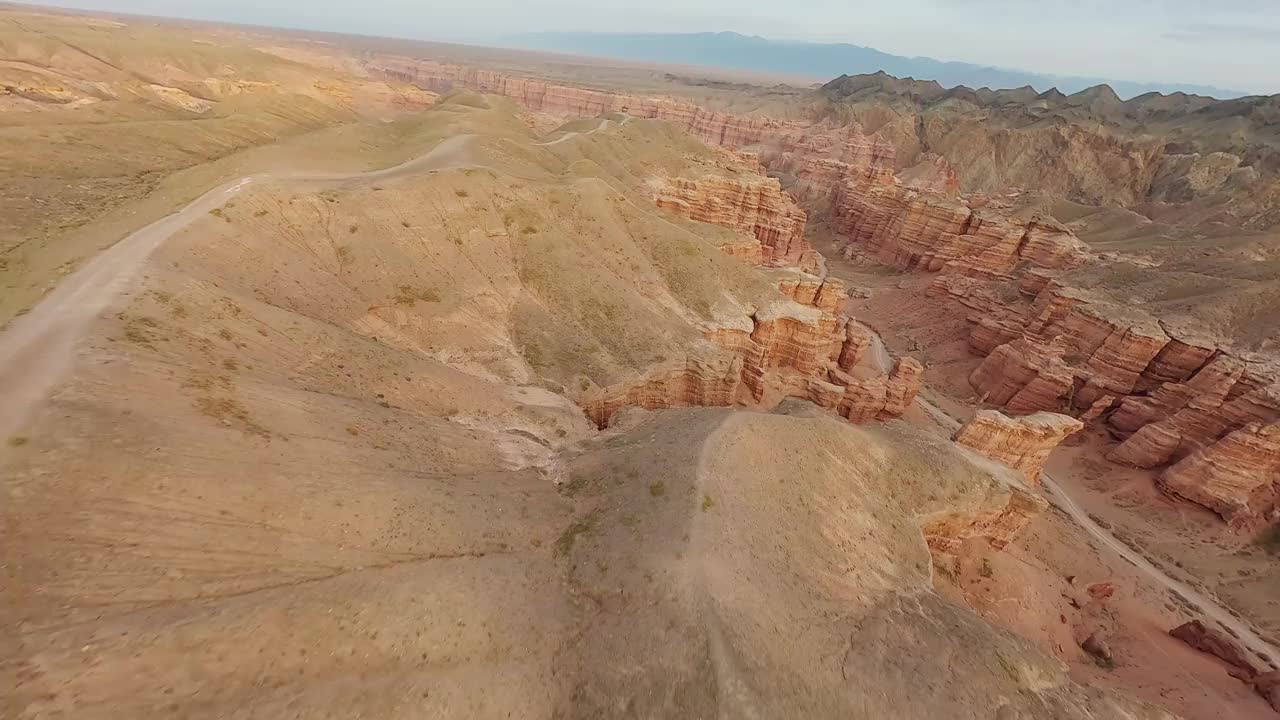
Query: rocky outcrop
{"type": "Point", "coordinates": [799, 346]}
{"type": "Point", "coordinates": [1215, 643]}
{"type": "Point", "coordinates": [1235, 477]}
{"type": "Point", "coordinates": [916, 229]}
{"type": "Point", "coordinates": [844, 144]}
{"type": "Point", "coordinates": [1022, 443]}
{"type": "Point", "coordinates": [706, 378]}
{"type": "Point", "coordinates": [1165, 393]}
{"type": "Point", "coordinates": [1025, 377]}
{"type": "Point", "coordinates": [881, 398]}
{"type": "Point", "coordinates": [1268, 686]}
{"type": "Point", "coordinates": [1168, 399]}
{"type": "Point", "coordinates": [756, 206]}
{"type": "Point", "coordinates": [998, 522]}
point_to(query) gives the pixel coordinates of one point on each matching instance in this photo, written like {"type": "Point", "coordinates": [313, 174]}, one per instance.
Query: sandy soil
{"type": "Point", "coordinates": [1155, 591]}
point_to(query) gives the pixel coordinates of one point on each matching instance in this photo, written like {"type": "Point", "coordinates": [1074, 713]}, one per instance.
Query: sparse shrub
{"type": "Point", "coordinates": [353, 431]}
{"type": "Point", "coordinates": [658, 489]}
{"type": "Point", "coordinates": [564, 544]}
{"type": "Point", "coordinates": [229, 410]}
{"type": "Point", "coordinates": [460, 193]}
{"type": "Point", "coordinates": [408, 295]}
{"type": "Point", "coordinates": [354, 227]}
{"type": "Point", "coordinates": [578, 483]}
{"type": "Point", "coordinates": [707, 503]}
{"type": "Point", "coordinates": [261, 213]}
{"type": "Point", "coordinates": [405, 223]}
{"type": "Point", "coordinates": [18, 441]}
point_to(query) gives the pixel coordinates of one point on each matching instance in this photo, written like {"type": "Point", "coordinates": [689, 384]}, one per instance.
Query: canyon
{"type": "Point", "coordinates": [1049, 346]}
{"type": "Point", "coordinates": [499, 384]}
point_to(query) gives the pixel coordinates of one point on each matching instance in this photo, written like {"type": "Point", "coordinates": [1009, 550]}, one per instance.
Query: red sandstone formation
{"type": "Point", "coordinates": [924, 230]}
{"type": "Point", "coordinates": [1048, 347]}
{"type": "Point", "coordinates": [702, 379]}
{"type": "Point", "coordinates": [1213, 642]}
{"type": "Point", "coordinates": [881, 398]}
{"type": "Point", "coordinates": [1268, 686]}
{"type": "Point", "coordinates": [1024, 376]}
{"type": "Point", "coordinates": [1235, 477]}
{"type": "Point", "coordinates": [1023, 443]}
{"type": "Point", "coordinates": [1059, 349]}
{"type": "Point", "coordinates": [791, 348]}
{"type": "Point", "coordinates": [946, 532]}
{"type": "Point", "coordinates": [846, 145]}
{"type": "Point", "coordinates": [756, 206]}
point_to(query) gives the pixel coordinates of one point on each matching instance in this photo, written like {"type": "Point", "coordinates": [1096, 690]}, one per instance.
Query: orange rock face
{"type": "Point", "coordinates": [1022, 443]}
{"type": "Point", "coordinates": [1000, 523]}
{"type": "Point", "coordinates": [924, 230]}
{"type": "Point", "coordinates": [1024, 376]}
{"type": "Point", "coordinates": [754, 206]}
{"type": "Point", "coordinates": [702, 379]}
{"type": "Point", "coordinates": [884, 397]}
{"type": "Point", "coordinates": [1237, 477]}
{"type": "Point", "coordinates": [793, 349]}
{"type": "Point", "coordinates": [846, 145]}
{"type": "Point", "coordinates": [1169, 397]}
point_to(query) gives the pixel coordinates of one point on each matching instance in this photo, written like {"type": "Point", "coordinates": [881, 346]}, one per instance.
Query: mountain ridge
{"type": "Point", "coordinates": [811, 59]}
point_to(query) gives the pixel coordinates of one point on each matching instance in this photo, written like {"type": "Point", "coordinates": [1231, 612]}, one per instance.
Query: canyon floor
{"type": "Point", "coordinates": [360, 377]}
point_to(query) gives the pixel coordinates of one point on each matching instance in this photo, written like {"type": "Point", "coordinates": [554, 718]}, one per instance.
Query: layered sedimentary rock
{"type": "Point", "coordinates": [847, 144]}
{"type": "Point", "coordinates": [756, 206]}
{"type": "Point", "coordinates": [1215, 643]}
{"type": "Point", "coordinates": [793, 347]}
{"type": "Point", "coordinates": [704, 378]}
{"type": "Point", "coordinates": [1025, 377]}
{"type": "Point", "coordinates": [947, 531]}
{"type": "Point", "coordinates": [1172, 396]}
{"type": "Point", "coordinates": [1235, 477]}
{"type": "Point", "coordinates": [1022, 443]}
{"type": "Point", "coordinates": [916, 229]}
{"type": "Point", "coordinates": [881, 398]}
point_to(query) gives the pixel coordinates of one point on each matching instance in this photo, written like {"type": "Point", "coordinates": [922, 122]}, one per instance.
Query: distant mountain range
{"type": "Point", "coordinates": [822, 60]}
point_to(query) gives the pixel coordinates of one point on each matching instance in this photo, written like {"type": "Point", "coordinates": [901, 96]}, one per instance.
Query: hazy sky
{"type": "Point", "coordinates": [1227, 43]}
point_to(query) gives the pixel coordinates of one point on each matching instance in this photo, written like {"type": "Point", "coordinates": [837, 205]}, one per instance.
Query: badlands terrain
{"type": "Point", "coordinates": [355, 377]}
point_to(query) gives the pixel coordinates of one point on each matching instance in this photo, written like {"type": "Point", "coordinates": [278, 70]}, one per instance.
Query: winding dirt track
{"type": "Point", "coordinates": [38, 350]}
{"type": "Point", "coordinates": [1206, 605]}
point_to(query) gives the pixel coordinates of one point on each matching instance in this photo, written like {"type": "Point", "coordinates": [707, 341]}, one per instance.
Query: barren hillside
{"type": "Point", "coordinates": [346, 380]}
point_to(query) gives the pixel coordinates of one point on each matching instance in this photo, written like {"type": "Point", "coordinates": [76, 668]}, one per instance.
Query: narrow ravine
{"type": "Point", "coordinates": [1058, 495]}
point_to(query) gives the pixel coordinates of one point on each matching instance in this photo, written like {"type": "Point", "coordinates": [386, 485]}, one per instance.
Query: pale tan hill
{"type": "Point", "coordinates": [98, 115]}
{"type": "Point", "coordinates": [309, 468]}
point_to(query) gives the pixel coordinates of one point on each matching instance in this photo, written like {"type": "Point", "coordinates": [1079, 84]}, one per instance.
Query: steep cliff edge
{"type": "Point", "coordinates": [1164, 392]}
{"type": "Point", "coordinates": [753, 206]}
{"type": "Point", "coordinates": [1049, 346]}
{"type": "Point", "coordinates": [1235, 476]}
{"type": "Point", "coordinates": [1022, 443]}
{"type": "Point", "coordinates": [919, 229]}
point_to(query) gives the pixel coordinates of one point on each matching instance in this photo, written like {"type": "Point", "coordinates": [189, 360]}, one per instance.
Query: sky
{"type": "Point", "coordinates": [1227, 43]}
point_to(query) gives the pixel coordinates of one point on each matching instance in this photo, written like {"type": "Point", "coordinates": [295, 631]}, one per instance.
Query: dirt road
{"type": "Point", "coordinates": [38, 349]}
{"type": "Point", "coordinates": [1206, 605]}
